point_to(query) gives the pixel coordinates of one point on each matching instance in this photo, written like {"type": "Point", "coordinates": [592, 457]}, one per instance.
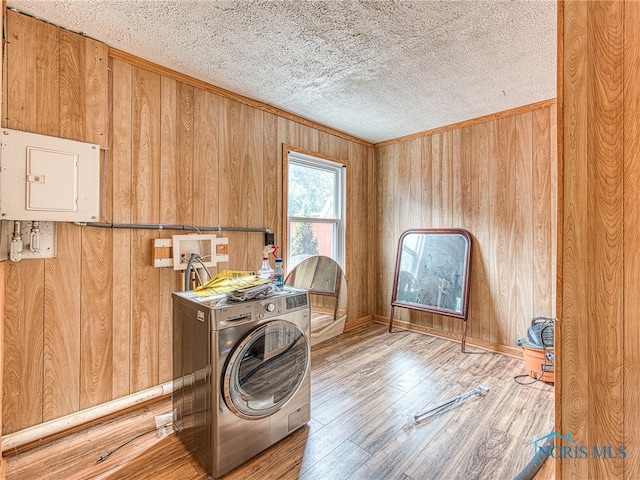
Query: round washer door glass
{"type": "Point", "coordinates": [265, 369]}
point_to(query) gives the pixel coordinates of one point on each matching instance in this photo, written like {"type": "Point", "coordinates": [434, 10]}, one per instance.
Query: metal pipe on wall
{"type": "Point", "coordinates": [160, 226]}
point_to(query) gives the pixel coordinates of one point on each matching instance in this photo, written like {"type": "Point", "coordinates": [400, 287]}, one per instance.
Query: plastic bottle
{"type": "Point", "coordinates": [278, 274]}
{"type": "Point", "coordinates": [265, 270]}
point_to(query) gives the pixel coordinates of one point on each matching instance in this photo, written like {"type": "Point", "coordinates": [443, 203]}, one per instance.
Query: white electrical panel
{"type": "Point", "coordinates": [48, 178]}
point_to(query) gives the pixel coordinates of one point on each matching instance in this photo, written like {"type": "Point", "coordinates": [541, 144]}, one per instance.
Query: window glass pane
{"type": "Point", "coordinates": [311, 192]}
{"type": "Point", "coordinates": [308, 239]}
{"type": "Point", "coordinates": [315, 208]}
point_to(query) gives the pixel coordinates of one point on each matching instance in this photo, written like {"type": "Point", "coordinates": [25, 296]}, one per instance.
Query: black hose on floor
{"type": "Point", "coordinates": [530, 470]}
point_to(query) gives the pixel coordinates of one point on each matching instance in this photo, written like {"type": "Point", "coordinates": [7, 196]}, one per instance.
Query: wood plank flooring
{"type": "Point", "coordinates": [366, 387]}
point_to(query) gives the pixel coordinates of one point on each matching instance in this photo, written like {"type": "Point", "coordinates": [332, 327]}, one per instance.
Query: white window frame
{"type": "Point", "coordinates": [340, 203]}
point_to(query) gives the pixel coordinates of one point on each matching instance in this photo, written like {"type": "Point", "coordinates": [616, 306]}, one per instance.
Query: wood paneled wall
{"type": "Point", "coordinates": [56, 85]}
{"type": "Point", "coordinates": [599, 339]}
{"type": "Point", "coordinates": [94, 324]}
{"type": "Point", "coordinates": [3, 463]}
{"type": "Point", "coordinates": [495, 179]}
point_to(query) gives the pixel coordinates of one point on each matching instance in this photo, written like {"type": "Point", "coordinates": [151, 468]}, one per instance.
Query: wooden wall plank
{"type": "Point", "coordinates": [413, 187]}
{"type": "Point", "coordinates": [468, 188]}
{"type": "Point", "coordinates": [631, 378]}
{"type": "Point", "coordinates": [170, 150]}
{"type": "Point", "coordinates": [385, 261]}
{"type": "Point", "coordinates": [146, 135]}
{"type": "Point", "coordinates": [62, 325]}
{"type": "Point", "coordinates": [206, 183]}
{"type": "Point", "coordinates": [426, 173]}
{"type": "Point", "coordinates": [524, 214]}
{"type": "Point", "coordinates": [401, 214]}
{"type": "Point", "coordinates": [432, 196]}
{"type": "Point", "coordinates": [144, 315]}
{"type": "Point", "coordinates": [605, 203]}
{"type": "Point", "coordinates": [184, 170]}
{"type": "Point", "coordinates": [230, 168]}
{"type": "Point", "coordinates": [32, 75]}
{"type": "Point", "coordinates": [24, 344]}
{"type": "Point", "coordinates": [272, 168]}
{"type": "Point", "coordinates": [414, 163]}
{"type": "Point", "coordinates": [556, 216]}
{"type": "Point", "coordinates": [252, 188]}
{"type": "Point", "coordinates": [84, 80]}
{"type": "Point", "coordinates": [176, 177]}
{"type": "Point", "coordinates": [502, 272]}
{"type": "Point", "coordinates": [453, 324]}
{"type": "Point", "coordinates": [437, 190]}
{"type": "Point", "coordinates": [282, 142]}
{"type": "Point", "coordinates": [447, 173]}
{"type": "Point", "coordinates": [480, 304]}
{"type": "Point", "coordinates": [575, 250]}
{"type": "Point", "coordinates": [309, 137]}
{"type": "Point", "coordinates": [121, 200]}
{"type": "Point", "coordinates": [368, 303]}
{"type": "Point", "coordinates": [32, 72]}
{"type": "Point", "coordinates": [358, 285]}
{"type": "Point", "coordinates": [146, 200]}
{"type": "Point", "coordinates": [96, 351]}
{"type": "Point", "coordinates": [444, 213]}
{"type": "Point", "coordinates": [544, 210]}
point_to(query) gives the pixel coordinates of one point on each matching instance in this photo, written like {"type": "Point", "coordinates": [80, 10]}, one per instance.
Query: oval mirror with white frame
{"type": "Point", "coordinates": [327, 287]}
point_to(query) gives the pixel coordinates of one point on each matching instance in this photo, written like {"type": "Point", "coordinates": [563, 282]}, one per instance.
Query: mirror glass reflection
{"type": "Point", "coordinates": [432, 269]}
{"type": "Point", "coordinates": [327, 287]}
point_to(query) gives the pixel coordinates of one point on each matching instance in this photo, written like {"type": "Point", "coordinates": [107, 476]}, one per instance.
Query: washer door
{"type": "Point", "coordinates": [265, 369]}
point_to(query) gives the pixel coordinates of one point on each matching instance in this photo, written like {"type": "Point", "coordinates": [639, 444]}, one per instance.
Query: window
{"type": "Point", "coordinates": [315, 208]}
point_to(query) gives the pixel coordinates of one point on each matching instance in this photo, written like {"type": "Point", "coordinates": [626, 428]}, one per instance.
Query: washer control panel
{"type": "Point", "coordinates": [269, 307]}
{"type": "Point", "coordinates": [236, 313]}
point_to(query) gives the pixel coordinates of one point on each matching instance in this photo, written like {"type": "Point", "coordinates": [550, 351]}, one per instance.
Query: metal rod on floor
{"type": "Point", "coordinates": [449, 404]}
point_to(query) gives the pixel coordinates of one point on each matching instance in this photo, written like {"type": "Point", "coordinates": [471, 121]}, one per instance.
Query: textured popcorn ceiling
{"type": "Point", "coordinates": [375, 69]}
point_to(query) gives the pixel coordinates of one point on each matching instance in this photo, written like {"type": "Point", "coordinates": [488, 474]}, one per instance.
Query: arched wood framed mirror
{"type": "Point", "coordinates": [432, 273]}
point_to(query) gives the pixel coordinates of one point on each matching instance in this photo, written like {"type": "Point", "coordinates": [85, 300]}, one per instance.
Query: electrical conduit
{"type": "Point", "coordinates": [52, 427]}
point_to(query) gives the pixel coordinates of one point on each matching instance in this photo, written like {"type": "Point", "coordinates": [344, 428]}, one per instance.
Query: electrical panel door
{"type": "Point", "coordinates": [48, 178]}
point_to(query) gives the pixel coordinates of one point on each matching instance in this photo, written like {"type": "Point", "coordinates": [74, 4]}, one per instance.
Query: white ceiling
{"type": "Point", "coordinates": [376, 69]}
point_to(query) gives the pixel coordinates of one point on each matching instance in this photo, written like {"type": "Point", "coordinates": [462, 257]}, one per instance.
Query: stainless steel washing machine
{"type": "Point", "coordinates": [241, 375]}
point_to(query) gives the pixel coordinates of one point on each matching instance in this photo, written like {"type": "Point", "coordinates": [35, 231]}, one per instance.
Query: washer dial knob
{"type": "Point", "coordinates": [270, 307]}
